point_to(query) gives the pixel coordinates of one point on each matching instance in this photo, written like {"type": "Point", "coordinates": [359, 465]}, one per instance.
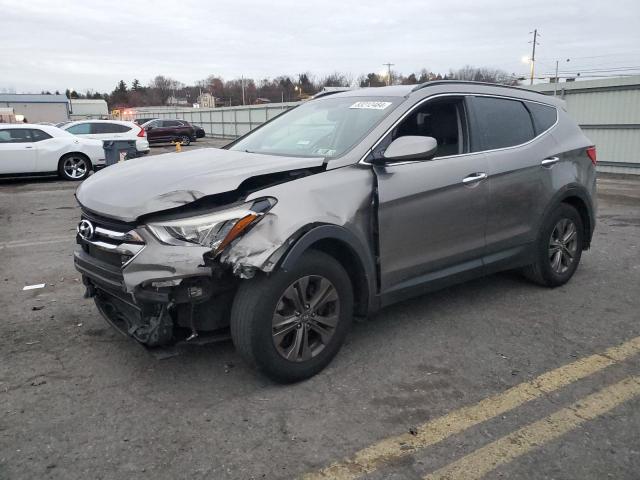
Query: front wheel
{"type": "Point", "coordinates": [292, 323]}
{"type": "Point", "coordinates": [558, 249]}
{"type": "Point", "coordinates": [185, 140]}
{"type": "Point", "coordinates": [74, 166]}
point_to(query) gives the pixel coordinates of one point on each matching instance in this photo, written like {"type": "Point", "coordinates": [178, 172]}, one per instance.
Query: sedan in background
{"type": "Point", "coordinates": [27, 149]}
{"type": "Point", "coordinates": [110, 130]}
{"type": "Point", "coordinates": [164, 131]}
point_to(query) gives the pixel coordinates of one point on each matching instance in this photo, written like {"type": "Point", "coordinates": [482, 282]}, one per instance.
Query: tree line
{"type": "Point", "coordinates": [163, 90]}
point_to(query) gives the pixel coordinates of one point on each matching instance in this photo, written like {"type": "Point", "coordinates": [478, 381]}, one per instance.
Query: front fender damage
{"type": "Point", "coordinates": [339, 197]}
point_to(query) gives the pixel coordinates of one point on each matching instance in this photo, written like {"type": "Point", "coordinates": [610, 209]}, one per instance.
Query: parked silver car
{"type": "Point", "coordinates": [338, 207]}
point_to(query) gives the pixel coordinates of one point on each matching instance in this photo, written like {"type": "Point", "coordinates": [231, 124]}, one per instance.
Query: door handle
{"type": "Point", "coordinates": [474, 178]}
{"type": "Point", "coordinates": [549, 162]}
{"type": "Point", "coordinates": [28, 146]}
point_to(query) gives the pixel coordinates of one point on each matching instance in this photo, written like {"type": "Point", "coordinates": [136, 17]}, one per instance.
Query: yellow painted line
{"type": "Point", "coordinates": [477, 464]}
{"type": "Point", "coordinates": [379, 454]}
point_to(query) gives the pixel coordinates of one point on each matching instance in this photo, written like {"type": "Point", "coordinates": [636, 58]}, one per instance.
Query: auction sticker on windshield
{"type": "Point", "coordinates": [371, 105]}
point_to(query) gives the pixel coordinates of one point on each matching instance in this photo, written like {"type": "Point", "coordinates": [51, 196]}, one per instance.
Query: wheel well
{"type": "Point", "coordinates": [581, 207]}
{"type": "Point", "coordinates": [354, 268]}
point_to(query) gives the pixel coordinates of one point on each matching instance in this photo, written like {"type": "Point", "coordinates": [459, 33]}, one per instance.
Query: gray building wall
{"type": "Point", "coordinates": [37, 108]}
{"type": "Point", "coordinates": [608, 111]}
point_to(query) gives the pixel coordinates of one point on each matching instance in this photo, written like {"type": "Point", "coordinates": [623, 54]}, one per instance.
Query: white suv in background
{"type": "Point", "coordinates": [110, 130]}
{"type": "Point", "coordinates": [42, 149]}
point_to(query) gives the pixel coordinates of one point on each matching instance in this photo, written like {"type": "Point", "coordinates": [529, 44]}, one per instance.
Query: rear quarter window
{"type": "Point", "coordinates": [544, 116]}
{"type": "Point", "coordinates": [502, 122]}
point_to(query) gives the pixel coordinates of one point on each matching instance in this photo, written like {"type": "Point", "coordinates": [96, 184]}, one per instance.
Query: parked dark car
{"type": "Point", "coordinates": [199, 131]}
{"type": "Point", "coordinates": [161, 131]}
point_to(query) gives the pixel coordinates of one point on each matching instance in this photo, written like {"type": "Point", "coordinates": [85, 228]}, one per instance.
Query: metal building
{"type": "Point", "coordinates": [36, 108]}
{"type": "Point", "coordinates": [82, 109]}
{"type": "Point", "coordinates": [608, 110]}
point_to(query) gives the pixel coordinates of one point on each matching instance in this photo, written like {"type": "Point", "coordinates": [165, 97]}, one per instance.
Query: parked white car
{"type": "Point", "coordinates": [109, 130]}
{"type": "Point", "coordinates": [42, 149]}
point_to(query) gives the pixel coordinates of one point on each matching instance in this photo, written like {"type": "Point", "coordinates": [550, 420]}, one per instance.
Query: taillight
{"type": "Point", "coordinates": [142, 132]}
{"type": "Point", "coordinates": [591, 152]}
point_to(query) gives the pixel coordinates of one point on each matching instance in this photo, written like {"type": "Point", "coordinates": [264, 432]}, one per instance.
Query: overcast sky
{"type": "Point", "coordinates": [91, 44]}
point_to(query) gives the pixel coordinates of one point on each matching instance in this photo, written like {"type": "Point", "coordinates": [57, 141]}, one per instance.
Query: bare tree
{"type": "Point", "coordinates": [483, 74]}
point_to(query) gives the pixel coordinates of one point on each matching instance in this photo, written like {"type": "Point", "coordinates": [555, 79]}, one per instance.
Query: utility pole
{"type": "Point", "coordinates": [242, 83]}
{"type": "Point", "coordinates": [533, 53]}
{"type": "Point", "coordinates": [388, 65]}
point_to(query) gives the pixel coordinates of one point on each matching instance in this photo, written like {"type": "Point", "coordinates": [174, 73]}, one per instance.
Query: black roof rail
{"type": "Point", "coordinates": [465, 82]}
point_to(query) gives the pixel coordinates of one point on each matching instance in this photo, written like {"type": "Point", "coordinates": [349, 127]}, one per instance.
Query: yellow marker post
{"type": "Point", "coordinates": [178, 145]}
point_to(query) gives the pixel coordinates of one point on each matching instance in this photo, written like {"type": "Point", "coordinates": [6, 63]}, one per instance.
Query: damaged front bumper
{"type": "Point", "coordinates": [156, 293]}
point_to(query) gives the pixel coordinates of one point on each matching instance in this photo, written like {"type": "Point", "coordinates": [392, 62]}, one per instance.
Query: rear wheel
{"type": "Point", "coordinates": [558, 249]}
{"type": "Point", "coordinates": [74, 166]}
{"type": "Point", "coordinates": [292, 323]}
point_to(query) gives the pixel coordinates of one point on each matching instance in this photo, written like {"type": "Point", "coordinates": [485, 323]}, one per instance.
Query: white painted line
{"type": "Point", "coordinates": [33, 287]}
{"type": "Point", "coordinates": [31, 244]}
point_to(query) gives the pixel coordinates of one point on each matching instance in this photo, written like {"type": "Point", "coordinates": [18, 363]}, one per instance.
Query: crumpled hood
{"type": "Point", "coordinates": [137, 187]}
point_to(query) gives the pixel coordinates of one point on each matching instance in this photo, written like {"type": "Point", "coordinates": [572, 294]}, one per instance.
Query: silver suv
{"type": "Point", "coordinates": [334, 209]}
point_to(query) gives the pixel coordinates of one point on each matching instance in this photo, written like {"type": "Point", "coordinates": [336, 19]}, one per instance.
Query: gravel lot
{"type": "Point", "coordinates": [79, 401]}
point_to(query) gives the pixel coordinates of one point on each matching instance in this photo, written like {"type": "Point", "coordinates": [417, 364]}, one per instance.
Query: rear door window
{"type": "Point", "coordinates": [502, 122]}
{"type": "Point", "coordinates": [171, 123]}
{"type": "Point", "coordinates": [103, 128]}
{"type": "Point", "coordinates": [80, 129]}
{"type": "Point", "coordinates": [544, 116]}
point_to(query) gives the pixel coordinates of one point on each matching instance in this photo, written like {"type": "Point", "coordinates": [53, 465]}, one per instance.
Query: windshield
{"type": "Point", "coordinates": [325, 127]}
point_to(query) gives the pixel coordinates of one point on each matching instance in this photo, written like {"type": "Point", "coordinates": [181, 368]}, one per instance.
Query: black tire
{"type": "Point", "coordinates": [82, 170]}
{"type": "Point", "coordinates": [542, 271]}
{"type": "Point", "coordinates": [255, 305]}
{"type": "Point", "coordinates": [185, 140]}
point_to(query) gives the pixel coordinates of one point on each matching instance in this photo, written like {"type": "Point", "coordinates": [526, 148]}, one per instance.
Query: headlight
{"type": "Point", "coordinates": [215, 230]}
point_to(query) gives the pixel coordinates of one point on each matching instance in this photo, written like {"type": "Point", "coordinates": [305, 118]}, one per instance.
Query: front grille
{"type": "Point", "coordinates": [113, 242]}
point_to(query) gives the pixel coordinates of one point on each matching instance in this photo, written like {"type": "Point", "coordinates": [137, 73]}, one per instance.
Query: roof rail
{"type": "Point", "coordinates": [464, 82]}
{"type": "Point", "coordinates": [330, 91]}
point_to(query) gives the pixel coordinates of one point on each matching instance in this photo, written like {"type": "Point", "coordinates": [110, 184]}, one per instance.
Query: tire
{"type": "Point", "coordinates": [74, 167]}
{"type": "Point", "coordinates": [264, 301]}
{"type": "Point", "coordinates": [185, 140]}
{"type": "Point", "coordinates": [546, 270]}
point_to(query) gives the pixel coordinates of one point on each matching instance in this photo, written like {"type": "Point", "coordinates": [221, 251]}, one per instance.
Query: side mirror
{"type": "Point", "coordinates": [411, 147]}
{"type": "Point", "coordinates": [150, 127]}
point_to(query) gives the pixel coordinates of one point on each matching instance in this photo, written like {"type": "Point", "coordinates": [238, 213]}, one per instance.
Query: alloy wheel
{"type": "Point", "coordinates": [305, 318]}
{"type": "Point", "coordinates": [75, 167]}
{"type": "Point", "coordinates": [563, 245]}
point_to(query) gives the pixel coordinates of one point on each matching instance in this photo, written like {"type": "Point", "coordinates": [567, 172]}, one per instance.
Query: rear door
{"type": "Point", "coordinates": [432, 214]}
{"type": "Point", "coordinates": [157, 132]}
{"type": "Point", "coordinates": [519, 155]}
{"type": "Point", "coordinates": [17, 154]}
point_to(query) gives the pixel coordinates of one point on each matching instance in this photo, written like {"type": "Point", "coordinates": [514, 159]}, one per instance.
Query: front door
{"type": "Point", "coordinates": [432, 214]}
{"type": "Point", "coordinates": [17, 154]}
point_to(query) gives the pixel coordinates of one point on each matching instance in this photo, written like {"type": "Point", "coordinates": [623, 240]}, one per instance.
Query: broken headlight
{"type": "Point", "coordinates": [215, 230]}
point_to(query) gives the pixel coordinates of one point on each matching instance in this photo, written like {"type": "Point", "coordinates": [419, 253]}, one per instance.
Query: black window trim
{"type": "Point", "coordinates": [470, 125]}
